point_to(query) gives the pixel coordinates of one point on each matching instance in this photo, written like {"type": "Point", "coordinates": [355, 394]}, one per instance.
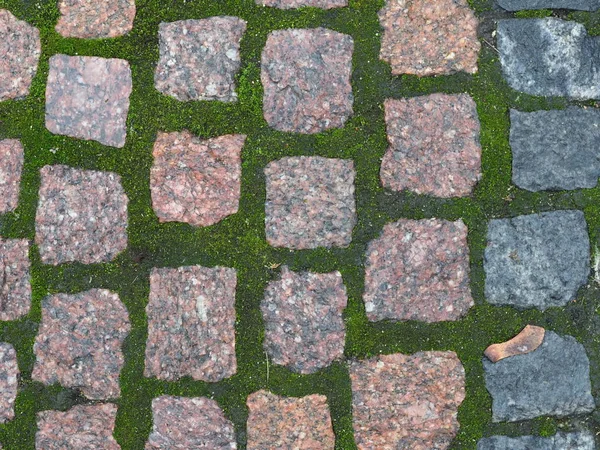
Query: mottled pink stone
{"type": "Point", "coordinates": [15, 281]}
{"type": "Point", "coordinates": [292, 4]}
{"type": "Point", "coordinates": [434, 145]}
{"type": "Point", "coordinates": [95, 18]}
{"type": "Point", "coordinates": [9, 374]}
{"type": "Point", "coordinates": [424, 37]}
{"type": "Point", "coordinates": [287, 423]}
{"type": "Point", "coordinates": [20, 50]}
{"type": "Point", "coordinates": [418, 270]}
{"type": "Point", "coordinates": [11, 165]}
{"type": "Point", "coordinates": [407, 402]}
{"type": "Point", "coordinates": [196, 181]}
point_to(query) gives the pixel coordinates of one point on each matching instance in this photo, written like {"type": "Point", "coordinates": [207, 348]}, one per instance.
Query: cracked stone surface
{"type": "Point", "coordinates": [306, 78]}
{"type": "Point", "coordinates": [425, 38]}
{"type": "Point", "coordinates": [549, 57]}
{"type": "Point", "coordinates": [191, 323]}
{"type": "Point", "coordinates": [189, 423]}
{"type": "Point", "coordinates": [560, 441]}
{"type": "Point", "coordinates": [11, 165]}
{"type": "Point", "coordinates": [20, 50]}
{"type": "Point", "coordinates": [9, 380]}
{"type": "Point", "coordinates": [199, 59]}
{"type": "Point", "coordinates": [402, 401]}
{"type": "Point", "coordinates": [95, 18]}
{"type": "Point", "coordinates": [434, 145]}
{"type": "Point", "coordinates": [196, 181]}
{"type": "Point", "coordinates": [310, 202]}
{"type": "Point", "coordinates": [79, 342]}
{"type": "Point", "coordinates": [537, 260]}
{"type": "Point", "coordinates": [15, 281]}
{"type": "Point", "coordinates": [81, 216]}
{"type": "Point", "coordinates": [553, 380]}
{"type": "Point", "coordinates": [418, 270]}
{"type": "Point", "coordinates": [288, 423]}
{"type": "Point", "coordinates": [517, 5]}
{"type": "Point", "coordinates": [88, 98]}
{"type": "Point", "coordinates": [292, 4]}
{"type": "Point", "coordinates": [302, 313]}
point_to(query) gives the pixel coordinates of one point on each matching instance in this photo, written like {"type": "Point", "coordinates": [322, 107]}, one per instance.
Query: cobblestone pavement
{"type": "Point", "coordinates": [299, 224]}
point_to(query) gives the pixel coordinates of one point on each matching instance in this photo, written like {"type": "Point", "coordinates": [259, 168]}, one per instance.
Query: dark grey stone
{"type": "Point", "coordinates": [560, 441]}
{"type": "Point", "coordinates": [538, 260]}
{"type": "Point", "coordinates": [555, 149]}
{"type": "Point", "coordinates": [516, 5]}
{"type": "Point", "coordinates": [549, 57]}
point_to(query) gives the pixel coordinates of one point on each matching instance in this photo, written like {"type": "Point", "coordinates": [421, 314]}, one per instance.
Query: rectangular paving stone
{"type": "Point", "coordinates": [517, 5]}
{"type": "Point", "coordinates": [11, 165]}
{"type": "Point", "coordinates": [9, 375]}
{"type": "Point", "coordinates": [15, 280]}
{"type": "Point", "coordinates": [560, 441]}
{"type": "Point", "coordinates": [95, 18]}
{"type": "Point", "coordinates": [291, 4]}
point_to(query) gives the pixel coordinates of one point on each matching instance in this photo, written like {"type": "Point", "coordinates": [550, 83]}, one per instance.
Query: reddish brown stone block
{"type": "Point", "coordinates": [95, 18]}
{"type": "Point", "coordinates": [15, 281]}
{"type": "Point", "coordinates": [9, 380]}
{"type": "Point", "coordinates": [11, 164]}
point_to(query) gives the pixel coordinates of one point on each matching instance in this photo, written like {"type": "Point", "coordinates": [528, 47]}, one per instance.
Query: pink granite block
{"type": "Point", "coordinates": [292, 4]}
{"type": "Point", "coordinates": [11, 165]}
{"type": "Point", "coordinates": [9, 380]}
{"type": "Point", "coordinates": [15, 281]}
{"type": "Point", "coordinates": [90, 19]}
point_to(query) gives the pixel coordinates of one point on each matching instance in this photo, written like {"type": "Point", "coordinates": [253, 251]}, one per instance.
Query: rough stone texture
{"type": "Point", "coordinates": [88, 98]}
{"type": "Point", "coordinates": [418, 270]}
{"type": "Point", "coordinates": [517, 5]}
{"type": "Point", "coordinates": [302, 312]}
{"type": "Point", "coordinates": [196, 181]}
{"type": "Point", "coordinates": [95, 18]}
{"type": "Point", "coordinates": [199, 59]}
{"type": "Point", "coordinates": [15, 281]}
{"type": "Point", "coordinates": [549, 57]}
{"type": "Point", "coordinates": [287, 423]}
{"type": "Point", "coordinates": [81, 427]}
{"type": "Point", "coordinates": [310, 202]}
{"type": "Point", "coordinates": [9, 373]}
{"type": "Point", "coordinates": [20, 50]}
{"type": "Point", "coordinates": [81, 216]}
{"type": "Point", "coordinates": [555, 149]}
{"type": "Point", "coordinates": [401, 401]}
{"type": "Point", "coordinates": [306, 78]}
{"type": "Point", "coordinates": [538, 260]}
{"type": "Point", "coordinates": [434, 145]}
{"type": "Point", "coordinates": [79, 342]}
{"type": "Point", "coordinates": [11, 164]}
{"type": "Point", "coordinates": [191, 320]}
{"type": "Point", "coordinates": [553, 380]}
{"type": "Point", "coordinates": [189, 423]}
{"type": "Point", "coordinates": [292, 4]}
{"type": "Point", "coordinates": [530, 338]}
{"type": "Point", "coordinates": [560, 441]}
{"type": "Point", "coordinates": [421, 37]}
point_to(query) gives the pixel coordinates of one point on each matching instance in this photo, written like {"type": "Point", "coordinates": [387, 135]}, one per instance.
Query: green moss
{"type": "Point", "coordinates": [536, 14]}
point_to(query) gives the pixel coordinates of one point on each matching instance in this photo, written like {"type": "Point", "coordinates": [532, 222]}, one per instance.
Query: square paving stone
{"type": "Point", "coordinates": [11, 165]}
{"type": "Point", "coordinates": [88, 98]}
{"type": "Point", "coordinates": [302, 313]}
{"type": "Point", "coordinates": [552, 380]}
{"type": "Point", "coordinates": [306, 78]}
{"type": "Point", "coordinates": [424, 37]}
{"type": "Point", "coordinates": [292, 4]}
{"type": "Point", "coordinates": [81, 216]}
{"type": "Point", "coordinates": [81, 427]}
{"type": "Point", "coordinates": [79, 342]}
{"type": "Point", "coordinates": [196, 181]}
{"type": "Point", "coordinates": [287, 423]}
{"type": "Point", "coordinates": [95, 18]}
{"type": "Point", "coordinates": [15, 281]}
{"type": "Point", "coordinates": [199, 59]}
{"type": "Point", "coordinates": [20, 50]}
{"type": "Point", "coordinates": [560, 441]}
{"type": "Point", "coordinates": [189, 423]}
{"type": "Point", "coordinates": [538, 260]}
{"type": "Point", "coordinates": [401, 401]}
{"type": "Point", "coordinates": [310, 202]}
{"type": "Point", "coordinates": [418, 270]}
{"type": "Point", "coordinates": [191, 323]}
{"type": "Point", "coordinates": [434, 145]}
{"type": "Point", "coordinates": [9, 373]}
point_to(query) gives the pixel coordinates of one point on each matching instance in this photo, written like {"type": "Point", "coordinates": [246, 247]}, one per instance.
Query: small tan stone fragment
{"type": "Point", "coordinates": [530, 338]}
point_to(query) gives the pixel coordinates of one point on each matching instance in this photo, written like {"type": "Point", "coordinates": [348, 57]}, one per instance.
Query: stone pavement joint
{"type": "Point", "coordinates": [11, 165]}
{"type": "Point", "coordinates": [15, 279]}
{"type": "Point", "coordinates": [95, 18]}
{"type": "Point", "coordinates": [9, 379]}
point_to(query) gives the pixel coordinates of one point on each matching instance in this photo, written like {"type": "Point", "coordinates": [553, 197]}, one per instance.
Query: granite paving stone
{"type": "Point", "coordinates": [434, 145]}
{"type": "Point", "coordinates": [81, 427]}
{"type": "Point", "coordinates": [407, 401]}
{"type": "Point", "coordinates": [90, 19]}
{"type": "Point", "coordinates": [553, 380]}
{"type": "Point", "coordinates": [11, 165]}
{"type": "Point", "coordinates": [15, 280]}
{"type": "Point", "coordinates": [9, 375]}
{"type": "Point", "coordinates": [191, 323]}
{"type": "Point", "coordinates": [537, 260]}
{"type": "Point", "coordinates": [292, 4]}
{"type": "Point", "coordinates": [302, 313]}
{"type": "Point", "coordinates": [20, 50]}
{"type": "Point", "coordinates": [88, 98]}
{"type": "Point", "coordinates": [424, 37]}
{"type": "Point", "coordinates": [310, 202]}
{"type": "Point", "coordinates": [287, 423]}
{"type": "Point", "coordinates": [518, 5]}
{"type": "Point", "coordinates": [549, 57]}
{"type": "Point", "coordinates": [418, 270]}
{"type": "Point", "coordinates": [196, 181]}
{"type": "Point", "coordinates": [560, 441]}
{"type": "Point", "coordinates": [79, 342]}
{"type": "Point", "coordinates": [306, 79]}
{"type": "Point", "coordinates": [199, 59]}
{"type": "Point", "coordinates": [189, 423]}
{"type": "Point", "coordinates": [81, 216]}
{"type": "Point", "coordinates": [555, 150]}
{"type": "Point", "coordinates": [529, 339]}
